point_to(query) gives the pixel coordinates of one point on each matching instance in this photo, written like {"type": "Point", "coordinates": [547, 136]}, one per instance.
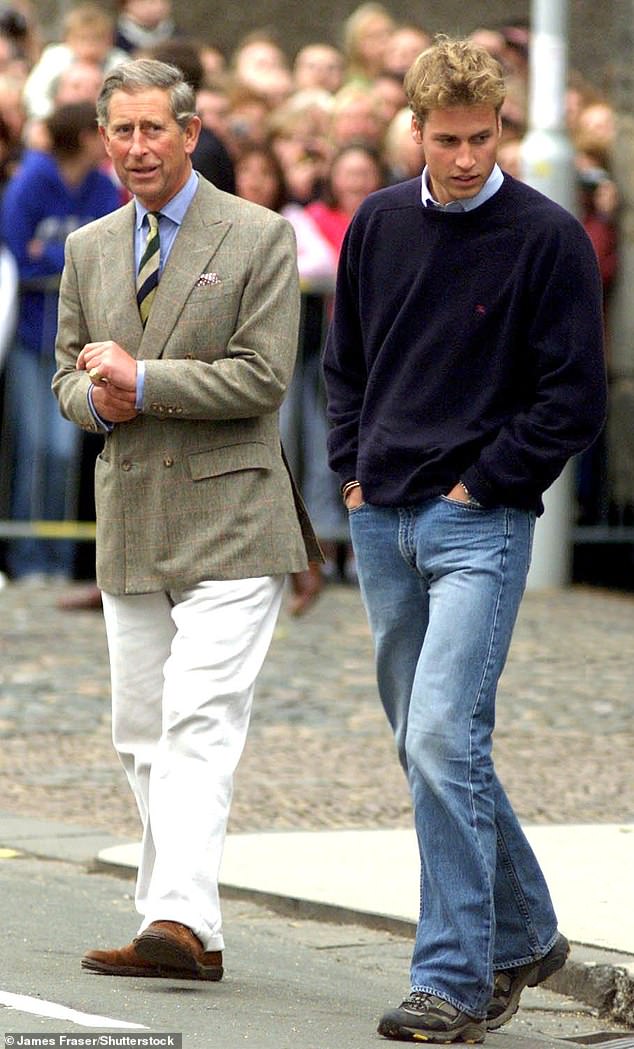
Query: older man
{"type": "Point", "coordinates": [177, 335]}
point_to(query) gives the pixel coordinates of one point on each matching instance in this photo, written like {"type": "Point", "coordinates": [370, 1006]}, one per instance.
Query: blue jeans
{"type": "Point", "coordinates": [45, 454]}
{"type": "Point", "coordinates": [442, 583]}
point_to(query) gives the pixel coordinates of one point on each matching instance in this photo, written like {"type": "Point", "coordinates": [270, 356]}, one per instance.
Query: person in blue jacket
{"type": "Point", "coordinates": [50, 195]}
{"type": "Point", "coordinates": [464, 367]}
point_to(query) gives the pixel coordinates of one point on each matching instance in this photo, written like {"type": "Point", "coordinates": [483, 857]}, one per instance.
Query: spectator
{"type": "Point", "coordinates": [298, 134]}
{"type": "Point", "coordinates": [320, 66]}
{"type": "Point", "coordinates": [50, 195]}
{"type": "Point", "coordinates": [259, 178]}
{"type": "Point", "coordinates": [19, 28]}
{"type": "Point", "coordinates": [597, 121]}
{"type": "Point", "coordinates": [88, 37]}
{"type": "Point", "coordinates": [248, 117]}
{"type": "Point", "coordinates": [356, 117]}
{"type": "Point", "coordinates": [79, 82]}
{"type": "Point", "coordinates": [12, 124]}
{"type": "Point", "coordinates": [143, 24]}
{"type": "Point", "coordinates": [388, 91]}
{"type": "Point", "coordinates": [259, 61]}
{"type": "Point", "coordinates": [356, 171]}
{"type": "Point", "coordinates": [403, 154]}
{"type": "Point", "coordinates": [580, 93]}
{"type": "Point", "coordinates": [214, 63]}
{"type": "Point", "coordinates": [12, 108]}
{"type": "Point", "coordinates": [405, 43]}
{"type": "Point", "coordinates": [367, 33]}
{"type": "Point", "coordinates": [213, 108]}
{"type": "Point", "coordinates": [510, 156]}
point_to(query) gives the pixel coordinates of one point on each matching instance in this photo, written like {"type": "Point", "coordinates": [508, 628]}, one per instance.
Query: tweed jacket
{"type": "Point", "coordinates": [195, 487]}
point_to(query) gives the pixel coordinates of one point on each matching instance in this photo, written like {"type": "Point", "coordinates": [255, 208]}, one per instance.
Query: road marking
{"type": "Point", "coordinates": [26, 1004]}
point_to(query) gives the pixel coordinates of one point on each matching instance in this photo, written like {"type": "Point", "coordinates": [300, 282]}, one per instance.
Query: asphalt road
{"type": "Point", "coordinates": [291, 983]}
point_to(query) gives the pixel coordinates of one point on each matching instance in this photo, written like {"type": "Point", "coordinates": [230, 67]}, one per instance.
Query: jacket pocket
{"type": "Point", "coordinates": [251, 455]}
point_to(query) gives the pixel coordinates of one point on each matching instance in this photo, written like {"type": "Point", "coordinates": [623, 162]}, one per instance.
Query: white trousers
{"type": "Point", "coordinates": [183, 670]}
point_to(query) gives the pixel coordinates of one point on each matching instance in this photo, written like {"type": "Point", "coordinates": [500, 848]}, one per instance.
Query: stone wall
{"type": "Point", "coordinates": [297, 22]}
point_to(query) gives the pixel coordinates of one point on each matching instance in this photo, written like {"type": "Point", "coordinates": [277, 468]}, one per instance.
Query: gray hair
{"type": "Point", "coordinates": [141, 74]}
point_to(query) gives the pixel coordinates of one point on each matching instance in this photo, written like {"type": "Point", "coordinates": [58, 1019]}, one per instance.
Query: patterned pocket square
{"type": "Point", "coordinates": [206, 279]}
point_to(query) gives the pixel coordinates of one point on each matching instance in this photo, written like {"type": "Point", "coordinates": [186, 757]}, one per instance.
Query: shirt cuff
{"type": "Point", "coordinates": [103, 424]}
{"type": "Point", "coordinates": [140, 385]}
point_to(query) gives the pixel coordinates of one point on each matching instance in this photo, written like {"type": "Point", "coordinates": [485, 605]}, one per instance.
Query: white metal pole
{"type": "Point", "coordinates": [548, 165]}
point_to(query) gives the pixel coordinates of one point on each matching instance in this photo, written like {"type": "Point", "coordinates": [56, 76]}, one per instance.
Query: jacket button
{"type": "Point", "coordinates": [126, 465]}
{"type": "Point", "coordinates": [168, 461]}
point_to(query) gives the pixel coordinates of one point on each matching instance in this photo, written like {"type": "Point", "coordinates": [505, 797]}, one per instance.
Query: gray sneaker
{"type": "Point", "coordinates": [509, 983]}
{"type": "Point", "coordinates": [425, 1017]}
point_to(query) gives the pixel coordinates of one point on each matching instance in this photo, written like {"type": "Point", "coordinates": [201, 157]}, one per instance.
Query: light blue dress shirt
{"type": "Point", "coordinates": [491, 186]}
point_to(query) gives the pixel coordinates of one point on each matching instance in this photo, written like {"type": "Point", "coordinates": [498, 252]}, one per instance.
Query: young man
{"type": "Point", "coordinates": [177, 336]}
{"type": "Point", "coordinates": [464, 367]}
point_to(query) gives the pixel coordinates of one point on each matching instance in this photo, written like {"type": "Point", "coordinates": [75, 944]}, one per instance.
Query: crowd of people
{"type": "Point", "coordinates": [309, 136]}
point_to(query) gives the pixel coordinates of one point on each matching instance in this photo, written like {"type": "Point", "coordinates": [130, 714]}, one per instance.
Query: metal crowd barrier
{"type": "Point", "coordinates": [606, 524]}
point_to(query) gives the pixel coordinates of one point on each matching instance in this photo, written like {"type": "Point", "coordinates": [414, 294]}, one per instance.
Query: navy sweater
{"type": "Point", "coordinates": [463, 346]}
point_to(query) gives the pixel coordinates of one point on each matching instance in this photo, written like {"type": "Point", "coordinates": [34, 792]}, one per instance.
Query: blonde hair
{"type": "Point", "coordinates": [453, 73]}
{"type": "Point", "coordinates": [89, 17]}
{"type": "Point", "coordinates": [353, 31]}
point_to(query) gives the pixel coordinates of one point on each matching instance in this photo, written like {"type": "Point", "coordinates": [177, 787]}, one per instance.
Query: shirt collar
{"type": "Point", "coordinates": [491, 186]}
{"type": "Point", "coordinates": [175, 208]}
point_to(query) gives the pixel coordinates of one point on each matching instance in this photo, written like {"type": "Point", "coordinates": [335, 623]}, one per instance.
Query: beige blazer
{"type": "Point", "coordinates": [195, 486]}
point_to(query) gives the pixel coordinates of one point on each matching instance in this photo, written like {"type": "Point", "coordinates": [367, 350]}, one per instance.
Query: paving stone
{"type": "Point", "coordinates": [320, 753]}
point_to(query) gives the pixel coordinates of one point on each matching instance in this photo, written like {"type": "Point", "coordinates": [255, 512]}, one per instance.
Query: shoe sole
{"type": "Point", "coordinates": [539, 972]}
{"type": "Point", "coordinates": [157, 973]}
{"type": "Point", "coordinates": [166, 954]}
{"type": "Point", "coordinates": [470, 1034]}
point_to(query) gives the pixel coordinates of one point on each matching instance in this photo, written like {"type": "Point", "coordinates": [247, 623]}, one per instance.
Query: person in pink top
{"type": "Point", "coordinates": [356, 171]}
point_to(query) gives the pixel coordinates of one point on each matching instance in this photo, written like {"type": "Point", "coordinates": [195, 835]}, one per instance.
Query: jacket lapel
{"type": "Point", "coordinates": [118, 280]}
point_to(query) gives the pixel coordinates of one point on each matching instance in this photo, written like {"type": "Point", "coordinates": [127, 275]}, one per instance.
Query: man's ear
{"type": "Point", "coordinates": [417, 133]}
{"type": "Point", "coordinates": [192, 134]}
{"type": "Point", "coordinates": [105, 139]}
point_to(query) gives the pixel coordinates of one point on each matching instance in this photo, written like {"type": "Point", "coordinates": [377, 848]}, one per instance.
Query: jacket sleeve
{"type": "Point", "coordinates": [70, 385]}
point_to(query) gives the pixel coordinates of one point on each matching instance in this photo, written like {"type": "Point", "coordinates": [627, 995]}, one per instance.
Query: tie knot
{"type": "Point", "coordinates": [153, 220]}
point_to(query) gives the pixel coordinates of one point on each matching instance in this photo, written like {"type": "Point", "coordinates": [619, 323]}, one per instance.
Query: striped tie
{"type": "Point", "coordinates": [148, 275]}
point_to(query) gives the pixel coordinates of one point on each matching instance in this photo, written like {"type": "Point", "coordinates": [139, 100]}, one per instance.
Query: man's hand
{"type": "Point", "coordinates": [354, 498]}
{"type": "Point", "coordinates": [112, 372]}
{"type": "Point", "coordinates": [459, 494]}
{"type": "Point", "coordinates": [107, 362]}
{"type": "Point", "coordinates": [114, 404]}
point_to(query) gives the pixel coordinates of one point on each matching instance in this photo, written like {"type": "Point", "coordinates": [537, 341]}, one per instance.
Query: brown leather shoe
{"type": "Point", "coordinates": [125, 961]}
{"type": "Point", "coordinates": [173, 946]}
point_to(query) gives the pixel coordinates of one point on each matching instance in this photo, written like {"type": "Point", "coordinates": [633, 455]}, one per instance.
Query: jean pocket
{"type": "Point", "coordinates": [461, 503]}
